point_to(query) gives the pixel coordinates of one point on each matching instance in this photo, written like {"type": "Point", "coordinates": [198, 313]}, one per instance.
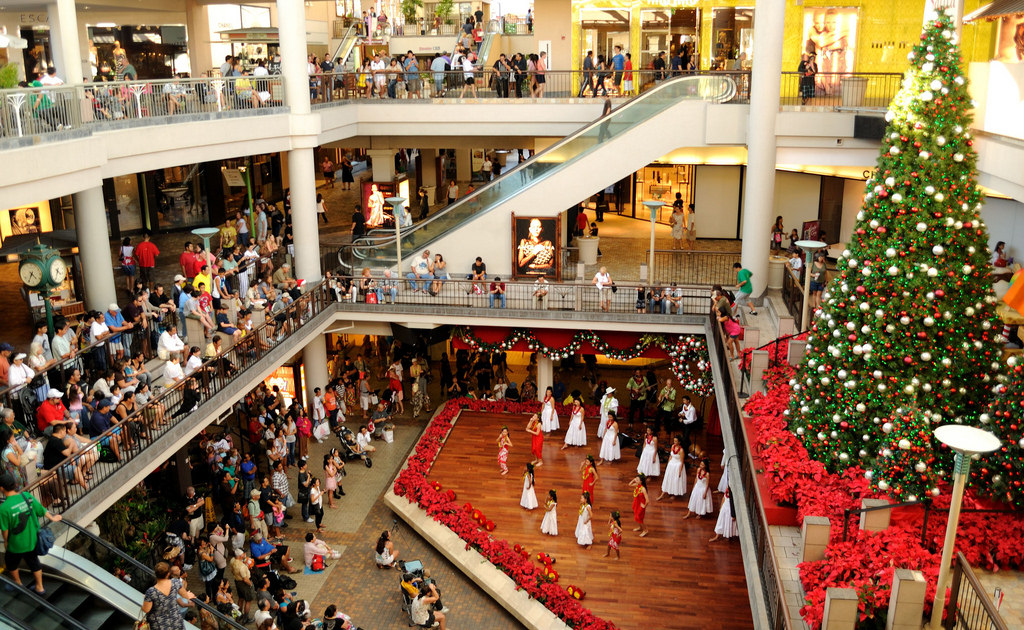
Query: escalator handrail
{"type": "Point", "coordinates": [222, 618]}
{"type": "Point", "coordinates": [666, 84]}
{"type": "Point", "coordinates": [45, 603]}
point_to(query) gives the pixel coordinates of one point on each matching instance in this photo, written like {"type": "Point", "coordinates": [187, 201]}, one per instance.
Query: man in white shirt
{"type": "Point", "coordinates": [169, 343]}
{"type": "Point", "coordinates": [688, 414]}
{"type": "Point", "coordinates": [363, 439]}
{"type": "Point", "coordinates": [97, 331]}
{"type": "Point", "coordinates": [380, 80]}
{"type": "Point", "coordinates": [609, 404]}
{"type": "Point", "coordinates": [319, 412]}
{"type": "Point", "coordinates": [540, 290]}
{"type": "Point", "coordinates": [172, 370]}
{"type": "Point", "coordinates": [468, 78]}
{"type": "Point", "coordinates": [673, 296]}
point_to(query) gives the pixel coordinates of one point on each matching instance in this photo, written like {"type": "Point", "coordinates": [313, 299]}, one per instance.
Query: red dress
{"type": "Point", "coordinates": [589, 481]}
{"type": "Point", "coordinates": [615, 538]}
{"type": "Point", "coordinates": [537, 445]}
{"type": "Point", "coordinates": [639, 505]}
{"type": "Point", "coordinates": [503, 456]}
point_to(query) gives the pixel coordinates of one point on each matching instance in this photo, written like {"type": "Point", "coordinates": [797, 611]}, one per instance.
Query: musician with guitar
{"type": "Point", "coordinates": [637, 387]}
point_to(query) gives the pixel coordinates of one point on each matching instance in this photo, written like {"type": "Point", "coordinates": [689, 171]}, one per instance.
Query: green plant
{"type": "Point", "coordinates": [409, 8]}
{"type": "Point", "coordinates": [9, 76]}
{"type": "Point", "coordinates": [134, 523]}
{"type": "Point", "coordinates": [444, 10]}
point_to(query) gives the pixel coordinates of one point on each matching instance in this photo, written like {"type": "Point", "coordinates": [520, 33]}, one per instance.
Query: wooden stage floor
{"type": "Point", "coordinates": [672, 578]}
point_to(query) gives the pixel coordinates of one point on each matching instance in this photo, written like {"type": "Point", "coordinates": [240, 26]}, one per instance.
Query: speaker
{"type": "Point", "coordinates": [868, 127]}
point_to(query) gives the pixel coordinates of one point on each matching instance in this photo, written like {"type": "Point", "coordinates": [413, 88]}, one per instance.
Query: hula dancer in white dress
{"type": "Point", "coordinates": [529, 498]}
{"type": "Point", "coordinates": [584, 528]}
{"type": "Point", "coordinates": [576, 435]}
{"type": "Point", "coordinates": [723, 484]}
{"type": "Point", "coordinates": [700, 499]}
{"type": "Point", "coordinates": [649, 463]}
{"type": "Point", "coordinates": [610, 443]}
{"type": "Point", "coordinates": [674, 482]}
{"type": "Point", "coordinates": [609, 405]}
{"type": "Point", "coordinates": [726, 525]}
{"type": "Point", "coordinates": [548, 415]}
{"type": "Point", "coordinates": [549, 525]}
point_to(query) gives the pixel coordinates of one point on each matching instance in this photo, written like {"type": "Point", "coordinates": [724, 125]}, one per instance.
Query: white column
{"type": "Point", "coordinates": [67, 51]}
{"type": "Point", "coordinates": [383, 163]}
{"type": "Point", "coordinates": [302, 178]}
{"type": "Point", "coordinates": [759, 193]}
{"type": "Point", "coordinates": [428, 168]}
{"type": "Point", "coordinates": [314, 367]}
{"type": "Point", "coordinates": [94, 249]}
{"type": "Point", "coordinates": [291, 28]}
{"type": "Point", "coordinates": [545, 373]}
{"type": "Point", "coordinates": [464, 165]}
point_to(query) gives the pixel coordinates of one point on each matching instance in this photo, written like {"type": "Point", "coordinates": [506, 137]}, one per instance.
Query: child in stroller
{"type": "Point", "coordinates": [350, 449]}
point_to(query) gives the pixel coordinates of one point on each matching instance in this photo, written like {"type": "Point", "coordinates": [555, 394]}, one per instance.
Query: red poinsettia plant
{"type": "Point", "coordinates": [470, 524]}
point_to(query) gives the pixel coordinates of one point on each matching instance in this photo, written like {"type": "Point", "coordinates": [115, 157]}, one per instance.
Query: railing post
{"type": "Point", "coordinates": [954, 593]}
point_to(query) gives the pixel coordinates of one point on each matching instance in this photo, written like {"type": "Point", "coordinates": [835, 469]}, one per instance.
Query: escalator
{"type": "Point", "coordinates": [344, 50]}
{"type": "Point", "coordinates": [660, 120]}
{"type": "Point", "coordinates": [65, 605]}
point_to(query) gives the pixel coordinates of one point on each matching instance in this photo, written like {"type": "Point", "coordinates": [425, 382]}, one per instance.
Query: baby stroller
{"type": "Point", "coordinates": [348, 444]}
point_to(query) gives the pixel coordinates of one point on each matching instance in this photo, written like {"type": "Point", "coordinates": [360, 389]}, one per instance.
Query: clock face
{"type": "Point", "coordinates": [58, 271]}
{"type": "Point", "coordinates": [31, 274]}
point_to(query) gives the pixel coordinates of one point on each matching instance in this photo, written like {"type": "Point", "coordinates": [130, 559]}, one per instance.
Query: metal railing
{"type": "Point", "coordinates": [40, 610]}
{"type": "Point", "coordinates": [147, 572]}
{"type": "Point", "coordinates": [696, 267]}
{"type": "Point", "coordinates": [753, 510]}
{"type": "Point", "coordinates": [460, 291]}
{"type": "Point", "coordinates": [42, 111]}
{"type": "Point", "coordinates": [792, 294]}
{"type": "Point", "coordinates": [969, 606]}
{"type": "Point", "coordinates": [128, 438]}
{"type": "Point", "coordinates": [856, 90]}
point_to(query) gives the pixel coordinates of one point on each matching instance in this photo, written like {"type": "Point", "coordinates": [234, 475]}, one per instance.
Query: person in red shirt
{"type": "Point", "coordinates": [582, 223]}
{"type": "Point", "coordinates": [145, 256]}
{"type": "Point", "coordinates": [205, 299]}
{"type": "Point", "coordinates": [52, 411]}
{"type": "Point", "coordinates": [187, 261]}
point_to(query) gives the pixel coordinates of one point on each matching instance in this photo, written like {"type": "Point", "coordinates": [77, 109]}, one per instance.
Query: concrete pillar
{"type": "Point", "coordinates": [302, 178]}
{"type": "Point", "coordinates": [94, 249]}
{"type": "Point", "coordinates": [840, 609]}
{"type": "Point", "coordinates": [314, 366]}
{"type": "Point", "coordinates": [877, 520]}
{"type": "Point", "coordinates": [906, 604]}
{"type": "Point", "coordinates": [814, 534]}
{"type": "Point", "coordinates": [383, 163]}
{"type": "Point", "coordinates": [428, 168]}
{"type": "Point", "coordinates": [463, 165]}
{"type": "Point", "coordinates": [545, 374]}
{"type": "Point", "coordinates": [67, 52]}
{"type": "Point", "coordinates": [198, 24]}
{"type": "Point", "coordinates": [291, 28]}
{"type": "Point", "coordinates": [759, 192]}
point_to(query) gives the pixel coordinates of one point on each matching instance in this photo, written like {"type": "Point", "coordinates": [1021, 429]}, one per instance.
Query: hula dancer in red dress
{"type": "Point", "coordinates": [614, 534]}
{"type": "Point", "coordinates": [589, 471]}
{"type": "Point", "coordinates": [504, 444]}
{"type": "Point", "coordinates": [639, 485]}
{"type": "Point", "coordinates": [533, 427]}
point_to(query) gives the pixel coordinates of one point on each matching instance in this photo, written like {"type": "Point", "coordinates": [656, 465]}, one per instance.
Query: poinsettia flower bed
{"type": "Point", "coordinates": [866, 561]}
{"type": "Point", "coordinates": [441, 505]}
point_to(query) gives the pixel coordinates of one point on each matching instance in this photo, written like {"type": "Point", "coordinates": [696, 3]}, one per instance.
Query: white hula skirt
{"type": "Point", "coordinates": [674, 483]}
{"type": "Point", "coordinates": [584, 531]}
{"type": "Point", "coordinates": [548, 418]}
{"type": "Point", "coordinates": [726, 526]}
{"type": "Point", "coordinates": [699, 504]}
{"type": "Point", "coordinates": [576, 435]}
{"type": "Point", "coordinates": [610, 447]}
{"type": "Point", "coordinates": [549, 525]}
{"type": "Point", "coordinates": [529, 498]}
{"type": "Point", "coordinates": [724, 483]}
{"type": "Point", "coordinates": [649, 464]}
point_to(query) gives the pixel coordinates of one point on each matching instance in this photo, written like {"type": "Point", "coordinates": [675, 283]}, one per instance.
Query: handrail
{"type": "Point", "coordinates": [723, 93]}
{"type": "Point", "coordinates": [224, 619]}
{"type": "Point", "coordinates": [962, 569]}
{"type": "Point", "coordinates": [213, 374]}
{"type": "Point", "coordinates": [41, 601]}
{"type": "Point", "coordinates": [13, 621]}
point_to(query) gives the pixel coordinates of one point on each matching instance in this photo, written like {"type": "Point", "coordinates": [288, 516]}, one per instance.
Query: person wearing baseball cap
{"type": "Point", "coordinates": [115, 322]}
{"type": "Point", "coordinates": [19, 373]}
{"type": "Point", "coordinates": [52, 412]}
{"type": "Point", "coordinates": [100, 421]}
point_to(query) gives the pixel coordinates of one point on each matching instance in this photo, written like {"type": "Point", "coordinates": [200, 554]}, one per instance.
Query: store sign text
{"type": "Point", "coordinates": [29, 19]}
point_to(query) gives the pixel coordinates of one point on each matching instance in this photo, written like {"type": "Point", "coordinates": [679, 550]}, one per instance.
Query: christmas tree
{"type": "Point", "coordinates": [1001, 473]}
{"type": "Point", "coordinates": [905, 339]}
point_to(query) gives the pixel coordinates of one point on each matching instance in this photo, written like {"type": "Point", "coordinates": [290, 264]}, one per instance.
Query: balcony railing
{"type": "Point", "coordinates": [834, 90]}
{"type": "Point", "coordinates": [66, 109]}
{"type": "Point", "coordinates": [59, 487]}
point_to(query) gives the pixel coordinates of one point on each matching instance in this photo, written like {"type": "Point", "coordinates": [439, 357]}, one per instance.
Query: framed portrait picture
{"type": "Point", "coordinates": [25, 221]}
{"type": "Point", "coordinates": [536, 247]}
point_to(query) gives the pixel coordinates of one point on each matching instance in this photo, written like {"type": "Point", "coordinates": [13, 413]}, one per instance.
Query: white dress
{"type": "Point", "coordinates": [576, 435]}
{"type": "Point", "coordinates": [529, 498]}
{"type": "Point", "coordinates": [699, 504]}
{"type": "Point", "coordinates": [608, 403]}
{"type": "Point", "coordinates": [549, 417]}
{"type": "Point", "coordinates": [585, 530]}
{"type": "Point", "coordinates": [649, 463]}
{"type": "Point", "coordinates": [724, 482]}
{"type": "Point", "coordinates": [549, 525]}
{"type": "Point", "coordinates": [674, 483]}
{"type": "Point", "coordinates": [610, 446]}
{"type": "Point", "coordinates": [726, 526]}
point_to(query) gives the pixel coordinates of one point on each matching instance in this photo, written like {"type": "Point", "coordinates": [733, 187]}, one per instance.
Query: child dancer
{"type": "Point", "coordinates": [640, 499]}
{"type": "Point", "coordinates": [504, 445]}
{"type": "Point", "coordinates": [529, 498]}
{"type": "Point", "coordinates": [610, 442]}
{"type": "Point", "coordinates": [614, 535]}
{"type": "Point", "coordinates": [549, 525]}
{"type": "Point", "coordinates": [533, 427]}
{"type": "Point", "coordinates": [584, 528]}
{"type": "Point", "coordinates": [726, 525]}
{"type": "Point", "coordinates": [700, 499]}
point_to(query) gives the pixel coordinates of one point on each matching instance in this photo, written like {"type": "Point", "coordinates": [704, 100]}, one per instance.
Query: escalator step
{"type": "Point", "coordinates": [94, 613]}
{"type": "Point", "coordinates": [17, 605]}
{"type": "Point", "coordinates": [69, 599]}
